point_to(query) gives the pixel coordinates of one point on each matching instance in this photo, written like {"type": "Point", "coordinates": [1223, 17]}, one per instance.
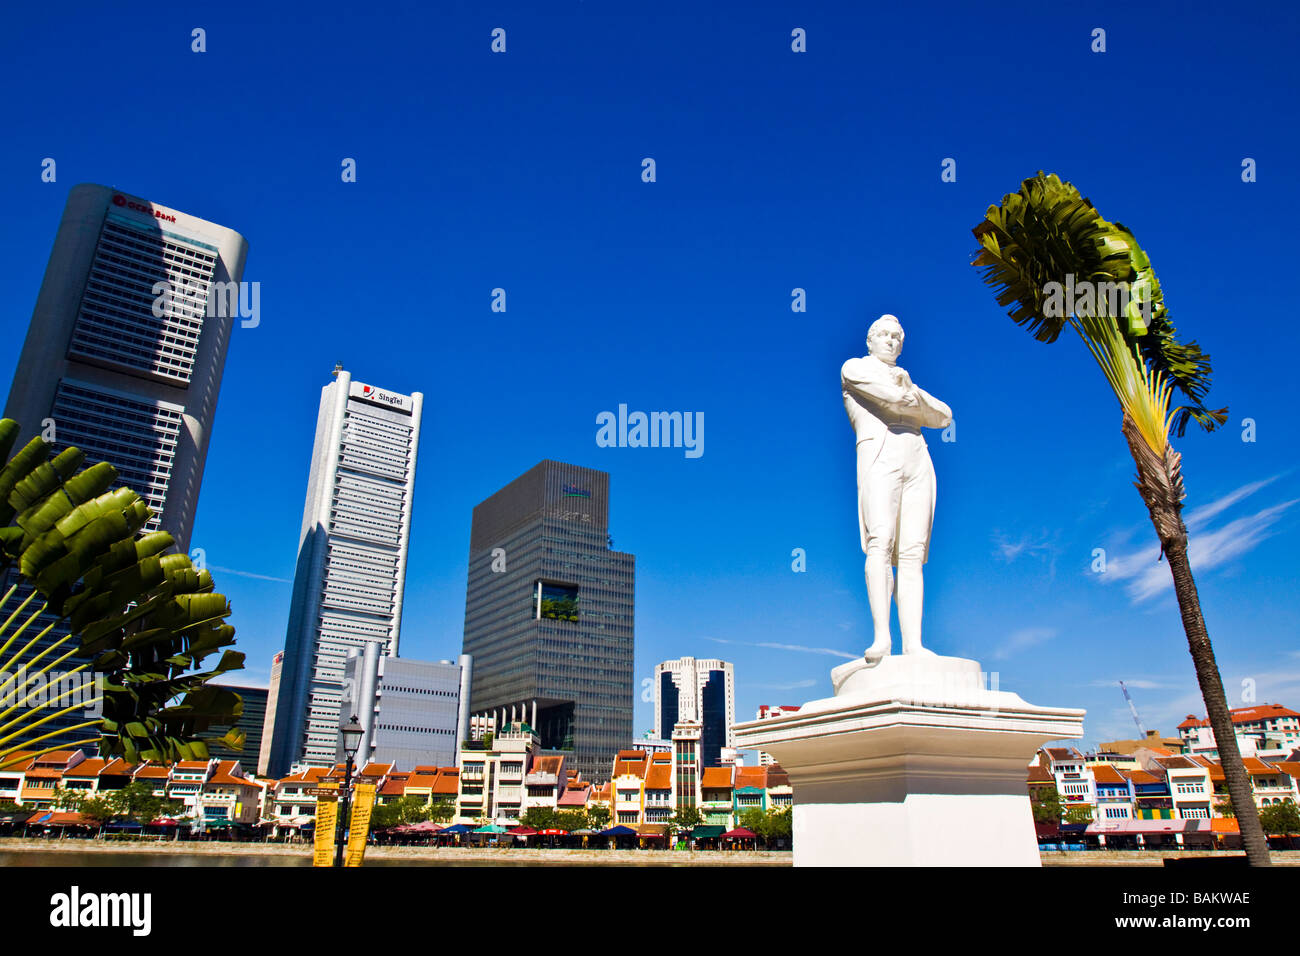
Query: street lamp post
{"type": "Point", "coordinates": [351, 733]}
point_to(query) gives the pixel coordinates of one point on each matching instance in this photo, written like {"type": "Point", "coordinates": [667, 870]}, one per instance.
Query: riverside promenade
{"type": "Point", "coordinates": [23, 852]}
{"type": "Point", "coordinates": [26, 852]}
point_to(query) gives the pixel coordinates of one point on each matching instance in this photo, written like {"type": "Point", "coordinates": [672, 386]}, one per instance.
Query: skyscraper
{"type": "Point", "coordinates": [128, 376]}
{"type": "Point", "coordinates": [701, 692]}
{"type": "Point", "coordinates": [347, 590]}
{"type": "Point", "coordinates": [251, 722]}
{"type": "Point", "coordinates": [549, 614]}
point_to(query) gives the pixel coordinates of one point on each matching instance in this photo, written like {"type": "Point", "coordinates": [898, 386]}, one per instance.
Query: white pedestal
{"type": "Point", "coordinates": [914, 762]}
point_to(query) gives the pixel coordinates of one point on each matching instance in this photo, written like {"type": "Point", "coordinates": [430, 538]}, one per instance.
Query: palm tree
{"type": "Point", "coordinates": [1046, 238]}
{"type": "Point", "coordinates": [83, 582]}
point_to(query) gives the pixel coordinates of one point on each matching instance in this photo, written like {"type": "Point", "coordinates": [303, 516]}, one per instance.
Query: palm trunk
{"type": "Point", "coordinates": [1160, 482]}
{"type": "Point", "coordinates": [1216, 706]}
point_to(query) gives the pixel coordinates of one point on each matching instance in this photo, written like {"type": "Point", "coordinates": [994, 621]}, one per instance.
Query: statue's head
{"type": "Point", "coordinates": [885, 339]}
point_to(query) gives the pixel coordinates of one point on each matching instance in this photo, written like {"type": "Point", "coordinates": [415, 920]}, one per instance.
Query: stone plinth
{"type": "Point", "coordinates": [914, 762]}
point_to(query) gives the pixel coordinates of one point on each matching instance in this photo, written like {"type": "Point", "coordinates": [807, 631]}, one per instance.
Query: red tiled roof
{"type": "Point", "coordinates": [90, 767]}
{"type": "Point", "coordinates": [776, 777]}
{"type": "Point", "coordinates": [1256, 767]}
{"type": "Point", "coordinates": [395, 785]}
{"type": "Point", "coordinates": [1038, 773]}
{"type": "Point", "coordinates": [660, 776]}
{"type": "Point", "coordinates": [630, 762]}
{"type": "Point", "coordinates": [57, 756]}
{"type": "Point", "coordinates": [1244, 715]}
{"type": "Point", "coordinates": [448, 781]}
{"type": "Point", "coordinates": [1063, 753]}
{"type": "Point", "coordinates": [751, 777]}
{"type": "Point", "coordinates": [716, 778]}
{"type": "Point", "coordinates": [547, 764]}
{"type": "Point", "coordinates": [1104, 773]}
{"type": "Point", "coordinates": [1179, 763]}
{"type": "Point", "coordinates": [310, 775]}
{"type": "Point", "coordinates": [1140, 776]}
{"type": "Point", "coordinates": [574, 796]}
{"type": "Point", "coordinates": [224, 774]}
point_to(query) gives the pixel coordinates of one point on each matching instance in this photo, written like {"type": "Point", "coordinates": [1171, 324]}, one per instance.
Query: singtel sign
{"type": "Point", "coordinates": [377, 395]}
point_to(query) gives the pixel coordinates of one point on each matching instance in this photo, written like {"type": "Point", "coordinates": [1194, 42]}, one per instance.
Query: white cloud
{"type": "Point", "coordinates": [1211, 549]}
{"type": "Point", "coordinates": [796, 685]}
{"type": "Point", "coordinates": [1147, 574]}
{"type": "Point", "coordinates": [1024, 638]}
{"type": "Point", "coordinates": [1139, 684]}
{"type": "Point", "coordinates": [770, 645]}
{"type": "Point", "coordinates": [1199, 516]}
{"type": "Point", "coordinates": [249, 574]}
{"type": "Point", "coordinates": [1039, 545]}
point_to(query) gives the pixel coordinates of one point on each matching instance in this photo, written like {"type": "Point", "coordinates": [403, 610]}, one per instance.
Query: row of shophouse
{"type": "Point", "coordinates": [500, 782]}
{"type": "Point", "coordinates": [497, 782]}
{"type": "Point", "coordinates": [1154, 793]}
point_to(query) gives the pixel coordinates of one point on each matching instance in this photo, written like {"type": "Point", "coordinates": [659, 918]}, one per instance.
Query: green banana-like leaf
{"type": "Point", "coordinates": [18, 468]}
{"type": "Point", "coordinates": [145, 617]}
{"type": "Point", "coordinates": [77, 490]}
{"type": "Point", "coordinates": [45, 478]}
{"type": "Point", "coordinates": [9, 430]}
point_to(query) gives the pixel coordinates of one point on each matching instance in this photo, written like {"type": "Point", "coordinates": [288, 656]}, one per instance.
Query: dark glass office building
{"type": "Point", "coordinates": [549, 614]}
{"type": "Point", "coordinates": [250, 722]}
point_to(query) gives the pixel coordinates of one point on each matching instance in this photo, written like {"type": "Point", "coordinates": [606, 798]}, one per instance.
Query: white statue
{"type": "Point", "coordinates": [895, 480]}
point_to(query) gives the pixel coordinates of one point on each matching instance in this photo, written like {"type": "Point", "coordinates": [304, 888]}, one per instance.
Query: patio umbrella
{"type": "Point", "coordinates": [491, 828]}
{"type": "Point", "coordinates": [457, 828]}
{"type": "Point", "coordinates": [619, 830]}
{"type": "Point", "coordinates": [740, 833]}
{"type": "Point", "coordinates": [426, 826]}
{"type": "Point", "coordinates": [561, 832]}
{"type": "Point", "coordinates": [523, 831]}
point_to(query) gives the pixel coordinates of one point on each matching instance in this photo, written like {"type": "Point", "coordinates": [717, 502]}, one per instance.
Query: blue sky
{"type": "Point", "coordinates": [775, 170]}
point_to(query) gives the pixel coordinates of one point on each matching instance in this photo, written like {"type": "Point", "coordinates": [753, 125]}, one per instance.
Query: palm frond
{"type": "Point", "coordinates": [1048, 233]}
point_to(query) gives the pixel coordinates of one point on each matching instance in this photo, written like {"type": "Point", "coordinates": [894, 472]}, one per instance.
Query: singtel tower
{"type": "Point", "coordinates": [347, 590]}
{"type": "Point", "coordinates": [549, 614]}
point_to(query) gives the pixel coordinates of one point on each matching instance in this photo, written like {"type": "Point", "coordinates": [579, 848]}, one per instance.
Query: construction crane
{"type": "Point", "coordinates": [1136, 719]}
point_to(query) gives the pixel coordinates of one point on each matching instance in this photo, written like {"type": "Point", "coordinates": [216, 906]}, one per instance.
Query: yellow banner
{"type": "Point", "coordinates": [327, 819]}
{"type": "Point", "coordinates": [363, 802]}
